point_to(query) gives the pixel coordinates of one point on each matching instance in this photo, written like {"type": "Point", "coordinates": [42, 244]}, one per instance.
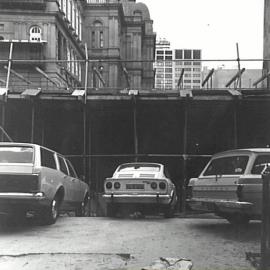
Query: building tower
{"type": "Point", "coordinates": [171, 62]}
{"type": "Point", "coordinates": [116, 31]}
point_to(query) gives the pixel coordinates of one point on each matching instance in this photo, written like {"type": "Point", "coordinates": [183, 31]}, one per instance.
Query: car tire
{"type": "Point", "coordinates": [111, 210]}
{"type": "Point", "coordinates": [83, 209]}
{"type": "Point", "coordinates": [51, 213]}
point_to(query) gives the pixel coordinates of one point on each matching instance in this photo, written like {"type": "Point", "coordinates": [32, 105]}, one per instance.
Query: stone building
{"type": "Point", "coordinates": [47, 41]}
{"type": "Point", "coordinates": [116, 32]}
{"type": "Point", "coordinates": [37, 30]}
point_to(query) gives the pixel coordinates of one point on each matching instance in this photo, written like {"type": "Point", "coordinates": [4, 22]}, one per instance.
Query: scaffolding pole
{"type": "Point", "coordinates": [33, 113]}
{"type": "Point", "coordinates": [135, 131]}
{"type": "Point", "coordinates": [85, 110]}
{"type": "Point", "coordinates": [185, 142]}
{"type": "Point", "coordinates": [209, 76]}
{"type": "Point", "coordinates": [9, 65]}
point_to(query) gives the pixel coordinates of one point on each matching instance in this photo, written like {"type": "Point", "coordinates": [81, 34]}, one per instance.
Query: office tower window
{"type": "Point", "coordinates": [178, 54]}
{"type": "Point", "coordinates": [196, 54]}
{"type": "Point", "coordinates": [187, 54]}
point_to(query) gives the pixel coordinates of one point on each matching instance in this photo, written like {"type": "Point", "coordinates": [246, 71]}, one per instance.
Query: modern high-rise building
{"type": "Point", "coordinates": [171, 63]}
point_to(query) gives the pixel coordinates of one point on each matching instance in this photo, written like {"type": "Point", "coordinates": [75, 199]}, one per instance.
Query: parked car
{"type": "Point", "coordinates": [145, 187]}
{"type": "Point", "coordinates": [39, 180]}
{"type": "Point", "coordinates": [231, 185]}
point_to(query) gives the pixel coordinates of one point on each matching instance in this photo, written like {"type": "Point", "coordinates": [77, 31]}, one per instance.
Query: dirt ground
{"type": "Point", "coordinates": [104, 243]}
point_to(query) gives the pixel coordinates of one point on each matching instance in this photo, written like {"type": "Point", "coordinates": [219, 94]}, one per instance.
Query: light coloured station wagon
{"type": "Point", "coordinates": [231, 185]}
{"type": "Point", "coordinates": [145, 187]}
{"type": "Point", "coordinates": [36, 179]}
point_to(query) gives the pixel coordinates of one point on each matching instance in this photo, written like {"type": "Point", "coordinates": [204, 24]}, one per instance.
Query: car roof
{"type": "Point", "coordinates": [141, 163]}
{"type": "Point", "coordinates": [26, 144]}
{"type": "Point", "coordinates": [16, 144]}
{"type": "Point", "coordinates": [242, 151]}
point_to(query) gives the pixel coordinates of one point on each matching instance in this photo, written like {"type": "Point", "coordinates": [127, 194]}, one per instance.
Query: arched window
{"type": "Point", "coordinates": [97, 35]}
{"type": "Point", "coordinates": [137, 13]}
{"type": "Point", "coordinates": [35, 33]}
{"type": "Point", "coordinates": [97, 24]}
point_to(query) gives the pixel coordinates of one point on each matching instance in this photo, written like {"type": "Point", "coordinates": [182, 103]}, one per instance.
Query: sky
{"type": "Point", "coordinates": [214, 26]}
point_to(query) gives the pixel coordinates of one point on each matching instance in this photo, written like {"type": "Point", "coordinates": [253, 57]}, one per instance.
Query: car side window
{"type": "Point", "coordinates": [260, 164]}
{"type": "Point", "coordinates": [47, 158]}
{"type": "Point", "coordinates": [227, 166]}
{"type": "Point", "coordinates": [71, 169]}
{"type": "Point", "coordinates": [63, 166]}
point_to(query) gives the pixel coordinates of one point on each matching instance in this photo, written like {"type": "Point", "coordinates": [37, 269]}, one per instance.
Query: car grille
{"type": "Point", "coordinates": [18, 183]}
{"type": "Point", "coordinates": [134, 186]}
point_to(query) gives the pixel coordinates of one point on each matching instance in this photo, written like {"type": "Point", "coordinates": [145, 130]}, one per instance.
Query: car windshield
{"type": "Point", "coordinates": [260, 164]}
{"type": "Point", "coordinates": [16, 154]}
{"type": "Point", "coordinates": [227, 166]}
{"type": "Point", "coordinates": [140, 167]}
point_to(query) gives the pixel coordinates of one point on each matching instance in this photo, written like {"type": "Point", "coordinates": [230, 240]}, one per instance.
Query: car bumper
{"type": "Point", "coordinates": [138, 199]}
{"type": "Point", "coordinates": [211, 205]}
{"type": "Point", "coordinates": [23, 200]}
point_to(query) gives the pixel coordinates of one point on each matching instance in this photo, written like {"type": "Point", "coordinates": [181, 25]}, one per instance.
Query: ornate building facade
{"type": "Point", "coordinates": [35, 35]}
{"type": "Point", "coordinates": [48, 42]}
{"type": "Point", "coordinates": [120, 34]}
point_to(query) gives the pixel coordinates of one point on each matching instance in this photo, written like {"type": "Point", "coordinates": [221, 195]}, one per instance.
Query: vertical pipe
{"type": "Point", "coordinates": [86, 73]}
{"type": "Point", "coordinates": [43, 133]}
{"type": "Point", "coordinates": [85, 113]}
{"type": "Point", "coordinates": [135, 131]}
{"type": "Point", "coordinates": [235, 124]}
{"type": "Point", "coordinates": [33, 121]}
{"type": "Point", "coordinates": [84, 140]}
{"type": "Point", "coordinates": [90, 126]}
{"type": "Point", "coordinates": [3, 119]}
{"type": "Point", "coordinates": [184, 156]}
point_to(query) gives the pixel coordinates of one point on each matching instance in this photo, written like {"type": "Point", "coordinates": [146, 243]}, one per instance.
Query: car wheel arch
{"type": "Point", "coordinates": [60, 194]}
